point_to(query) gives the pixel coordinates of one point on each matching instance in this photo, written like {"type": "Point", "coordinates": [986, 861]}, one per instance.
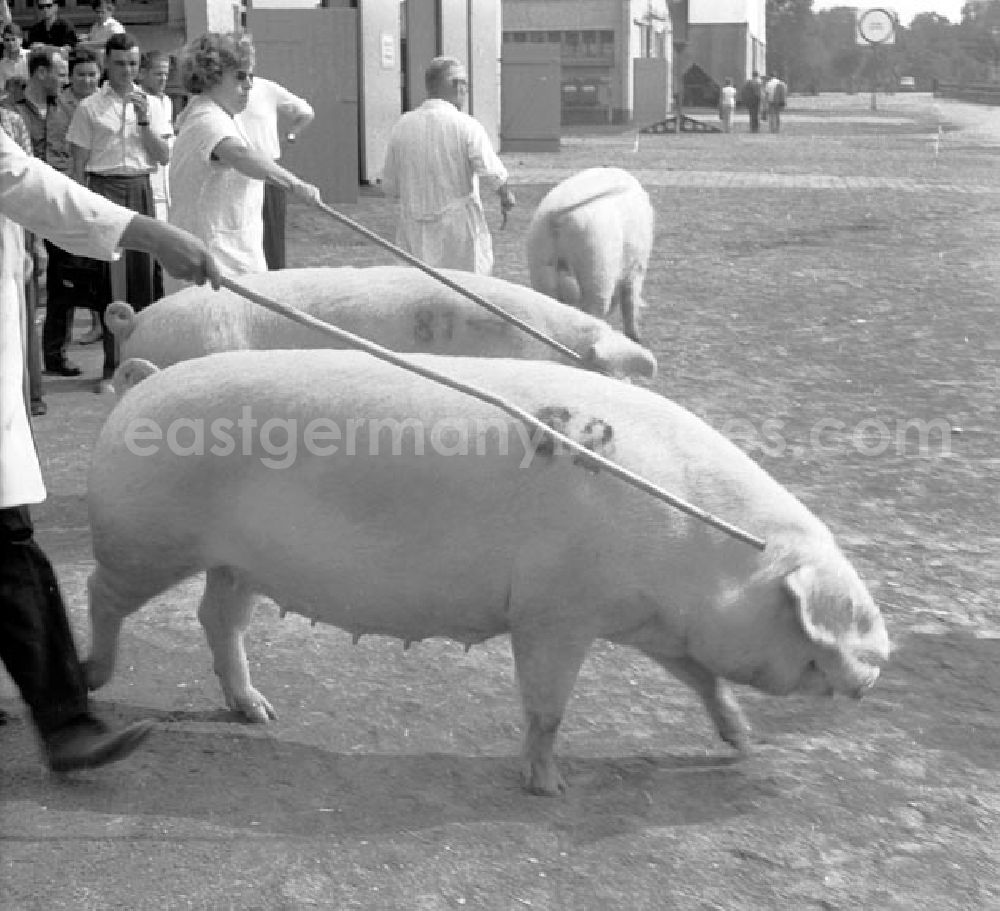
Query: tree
{"type": "Point", "coordinates": [788, 24]}
{"type": "Point", "coordinates": [980, 36]}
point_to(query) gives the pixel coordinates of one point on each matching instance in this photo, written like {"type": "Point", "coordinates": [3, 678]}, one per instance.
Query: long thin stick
{"type": "Point", "coordinates": [455, 286]}
{"type": "Point", "coordinates": [391, 357]}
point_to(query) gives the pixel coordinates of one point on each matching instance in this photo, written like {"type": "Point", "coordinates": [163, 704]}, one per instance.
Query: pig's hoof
{"type": "Point", "coordinates": [543, 780]}
{"type": "Point", "coordinates": [253, 706]}
{"type": "Point", "coordinates": [96, 673]}
{"type": "Point", "coordinates": [738, 739]}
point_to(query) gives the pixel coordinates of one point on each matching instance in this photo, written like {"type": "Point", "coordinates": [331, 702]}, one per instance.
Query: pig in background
{"type": "Point", "coordinates": [396, 306]}
{"type": "Point", "coordinates": [522, 538]}
{"type": "Point", "coordinates": [589, 242]}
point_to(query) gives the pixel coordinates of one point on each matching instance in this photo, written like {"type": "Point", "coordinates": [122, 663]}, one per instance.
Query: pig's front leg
{"type": "Point", "coordinates": [225, 613]}
{"type": "Point", "coordinates": [547, 666]}
{"type": "Point", "coordinates": [717, 696]}
{"type": "Point", "coordinates": [549, 636]}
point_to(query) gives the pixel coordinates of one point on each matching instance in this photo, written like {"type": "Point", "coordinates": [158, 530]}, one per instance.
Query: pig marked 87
{"type": "Point", "coordinates": [396, 306]}
{"type": "Point", "coordinates": [505, 535]}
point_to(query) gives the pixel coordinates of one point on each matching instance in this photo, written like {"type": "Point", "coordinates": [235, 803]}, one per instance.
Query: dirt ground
{"type": "Point", "coordinates": [838, 280]}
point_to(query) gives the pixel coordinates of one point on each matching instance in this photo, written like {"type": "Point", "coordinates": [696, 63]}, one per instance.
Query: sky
{"type": "Point", "coordinates": [906, 9]}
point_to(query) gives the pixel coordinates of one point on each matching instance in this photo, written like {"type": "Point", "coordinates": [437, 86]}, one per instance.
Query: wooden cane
{"type": "Point", "coordinates": [591, 458]}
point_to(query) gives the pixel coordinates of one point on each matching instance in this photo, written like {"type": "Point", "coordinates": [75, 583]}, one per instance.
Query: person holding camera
{"type": "Point", "coordinates": [118, 138]}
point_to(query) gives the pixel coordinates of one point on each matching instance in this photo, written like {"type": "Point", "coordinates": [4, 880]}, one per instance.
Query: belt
{"type": "Point", "coordinates": [114, 175]}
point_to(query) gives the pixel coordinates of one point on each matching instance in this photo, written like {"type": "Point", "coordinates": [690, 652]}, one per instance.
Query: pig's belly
{"type": "Point", "coordinates": [413, 583]}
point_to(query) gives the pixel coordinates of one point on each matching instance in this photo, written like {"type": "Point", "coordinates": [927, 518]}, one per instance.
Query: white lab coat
{"type": "Point", "coordinates": [436, 157]}
{"type": "Point", "coordinates": [35, 196]}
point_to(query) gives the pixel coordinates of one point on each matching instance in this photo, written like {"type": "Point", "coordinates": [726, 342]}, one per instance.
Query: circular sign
{"type": "Point", "coordinates": [876, 26]}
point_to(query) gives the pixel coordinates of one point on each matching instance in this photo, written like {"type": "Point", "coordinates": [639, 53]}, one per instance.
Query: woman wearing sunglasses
{"type": "Point", "coordinates": [216, 179]}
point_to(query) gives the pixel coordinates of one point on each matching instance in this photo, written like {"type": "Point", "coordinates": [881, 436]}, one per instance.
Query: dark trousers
{"type": "Point", "coordinates": [64, 290]}
{"type": "Point", "coordinates": [139, 289]}
{"type": "Point", "coordinates": [33, 345]}
{"type": "Point", "coordinates": [36, 643]}
{"type": "Point", "coordinates": [275, 208]}
{"type": "Point", "coordinates": [754, 111]}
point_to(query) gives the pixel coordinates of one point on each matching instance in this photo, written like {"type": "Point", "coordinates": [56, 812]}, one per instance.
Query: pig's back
{"type": "Point", "coordinates": [646, 433]}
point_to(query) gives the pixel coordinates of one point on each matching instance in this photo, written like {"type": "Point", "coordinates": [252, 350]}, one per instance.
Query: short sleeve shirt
{"type": "Point", "coordinates": [109, 129]}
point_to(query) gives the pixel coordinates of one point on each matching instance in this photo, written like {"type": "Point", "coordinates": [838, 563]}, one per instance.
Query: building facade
{"type": "Point", "coordinates": [388, 45]}
{"type": "Point", "coordinates": [598, 42]}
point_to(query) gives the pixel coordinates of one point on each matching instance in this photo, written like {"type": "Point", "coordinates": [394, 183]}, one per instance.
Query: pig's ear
{"type": "Point", "coordinates": [800, 584]}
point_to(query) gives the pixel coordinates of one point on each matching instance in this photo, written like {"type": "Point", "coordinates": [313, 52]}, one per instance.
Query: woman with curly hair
{"type": "Point", "coordinates": [216, 179]}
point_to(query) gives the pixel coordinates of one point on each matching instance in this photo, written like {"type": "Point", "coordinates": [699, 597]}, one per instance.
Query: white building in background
{"type": "Point", "coordinates": [720, 39]}
{"type": "Point", "coordinates": [598, 41]}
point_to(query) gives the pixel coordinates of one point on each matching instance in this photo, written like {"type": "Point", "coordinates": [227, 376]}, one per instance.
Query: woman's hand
{"type": "Point", "coordinates": [306, 192]}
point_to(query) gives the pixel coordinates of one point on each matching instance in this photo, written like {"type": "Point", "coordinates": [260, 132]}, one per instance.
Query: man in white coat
{"type": "Point", "coordinates": [272, 112]}
{"type": "Point", "coordinates": [436, 158]}
{"type": "Point", "coordinates": [36, 643]}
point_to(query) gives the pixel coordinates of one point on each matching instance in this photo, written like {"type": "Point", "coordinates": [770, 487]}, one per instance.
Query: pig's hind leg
{"type": "Point", "coordinates": [225, 612]}
{"type": "Point", "coordinates": [114, 594]}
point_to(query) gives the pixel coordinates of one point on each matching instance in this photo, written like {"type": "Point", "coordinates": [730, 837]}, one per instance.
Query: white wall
{"type": "Point", "coordinates": [202, 16]}
{"type": "Point", "coordinates": [380, 104]}
{"type": "Point", "coordinates": [721, 12]}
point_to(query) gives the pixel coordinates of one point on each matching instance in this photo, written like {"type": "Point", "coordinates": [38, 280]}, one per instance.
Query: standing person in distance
{"type": "Point", "coordinates": [751, 95]}
{"type": "Point", "coordinates": [436, 158]}
{"type": "Point", "coordinates": [118, 139]}
{"type": "Point", "coordinates": [105, 25]}
{"type": "Point", "coordinates": [775, 91]}
{"type": "Point", "coordinates": [727, 104]}
{"type": "Point", "coordinates": [272, 112]}
{"type": "Point", "coordinates": [51, 29]}
{"type": "Point", "coordinates": [154, 72]}
{"type": "Point", "coordinates": [71, 281]}
{"type": "Point", "coordinates": [13, 57]}
{"type": "Point", "coordinates": [47, 72]}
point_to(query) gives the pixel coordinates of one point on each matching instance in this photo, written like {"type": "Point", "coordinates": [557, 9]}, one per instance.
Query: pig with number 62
{"type": "Point", "coordinates": [589, 241]}
{"type": "Point", "coordinates": [361, 495]}
{"type": "Point", "coordinates": [398, 307]}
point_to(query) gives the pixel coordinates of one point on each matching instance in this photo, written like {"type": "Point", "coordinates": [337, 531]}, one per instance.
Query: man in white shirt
{"type": "Point", "coordinates": [105, 25]}
{"type": "Point", "coordinates": [36, 642]}
{"type": "Point", "coordinates": [727, 104]}
{"type": "Point", "coordinates": [436, 158]}
{"type": "Point", "coordinates": [774, 95]}
{"type": "Point", "coordinates": [154, 71]}
{"type": "Point", "coordinates": [273, 111]}
{"type": "Point", "coordinates": [118, 139]}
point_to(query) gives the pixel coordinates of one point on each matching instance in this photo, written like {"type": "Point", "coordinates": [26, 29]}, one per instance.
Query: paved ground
{"type": "Point", "coordinates": [950, 124]}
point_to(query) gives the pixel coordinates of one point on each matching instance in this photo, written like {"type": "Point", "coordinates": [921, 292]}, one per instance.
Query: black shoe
{"type": "Point", "coordinates": [39, 408]}
{"type": "Point", "coordinates": [64, 369]}
{"type": "Point", "coordinates": [88, 743]}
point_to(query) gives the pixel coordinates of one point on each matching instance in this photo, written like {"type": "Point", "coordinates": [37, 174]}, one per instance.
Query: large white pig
{"type": "Point", "coordinates": [589, 241]}
{"type": "Point", "coordinates": [396, 306]}
{"type": "Point", "coordinates": [357, 494]}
